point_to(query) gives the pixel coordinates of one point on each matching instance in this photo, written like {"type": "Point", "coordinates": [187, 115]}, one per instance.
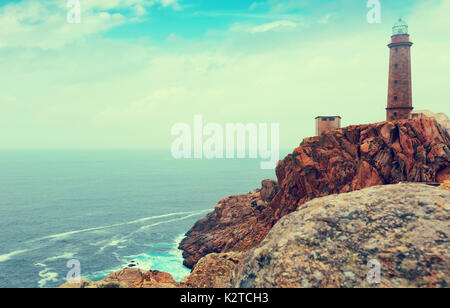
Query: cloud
{"type": "Point", "coordinates": [106, 93]}
{"type": "Point", "coordinates": [255, 5]}
{"type": "Point", "coordinates": [277, 6]}
{"type": "Point", "coordinates": [281, 25]}
{"type": "Point", "coordinates": [326, 19]}
{"type": "Point", "coordinates": [43, 24]}
{"type": "Point", "coordinates": [273, 25]}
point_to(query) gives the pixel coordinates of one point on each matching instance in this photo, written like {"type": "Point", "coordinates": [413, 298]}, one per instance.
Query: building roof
{"type": "Point", "coordinates": [400, 27]}
{"type": "Point", "coordinates": [329, 117]}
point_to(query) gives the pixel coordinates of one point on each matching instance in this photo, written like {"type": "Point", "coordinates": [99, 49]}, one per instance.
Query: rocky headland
{"type": "Point", "coordinates": [342, 199]}
{"type": "Point", "coordinates": [339, 161]}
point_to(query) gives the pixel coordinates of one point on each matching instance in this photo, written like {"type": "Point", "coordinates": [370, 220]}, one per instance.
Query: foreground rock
{"type": "Point", "coordinates": [329, 241]}
{"type": "Point", "coordinates": [213, 271]}
{"type": "Point", "coordinates": [128, 278]}
{"type": "Point", "coordinates": [445, 185]}
{"type": "Point", "coordinates": [339, 161]}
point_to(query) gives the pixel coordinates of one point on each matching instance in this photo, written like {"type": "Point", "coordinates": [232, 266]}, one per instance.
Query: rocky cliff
{"type": "Point", "coordinates": [339, 161]}
{"type": "Point", "coordinates": [328, 242]}
{"type": "Point", "coordinates": [362, 156]}
{"type": "Point", "coordinates": [236, 224]}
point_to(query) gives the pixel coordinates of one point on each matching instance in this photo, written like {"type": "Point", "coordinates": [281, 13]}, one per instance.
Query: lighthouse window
{"type": "Point", "coordinates": [396, 66]}
{"type": "Point", "coordinates": [324, 119]}
{"type": "Point", "coordinates": [395, 98]}
{"type": "Point", "coordinates": [396, 81]}
{"type": "Point", "coordinates": [396, 50]}
{"type": "Point", "coordinates": [331, 119]}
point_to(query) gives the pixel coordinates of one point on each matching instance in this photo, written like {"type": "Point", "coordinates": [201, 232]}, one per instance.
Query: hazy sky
{"type": "Point", "coordinates": [133, 68]}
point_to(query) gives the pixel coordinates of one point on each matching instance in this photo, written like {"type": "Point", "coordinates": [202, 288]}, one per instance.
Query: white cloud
{"type": "Point", "coordinates": [277, 6]}
{"type": "Point", "coordinates": [273, 25]}
{"type": "Point", "coordinates": [324, 20]}
{"type": "Point", "coordinates": [109, 93]}
{"type": "Point", "coordinates": [43, 24]}
{"type": "Point", "coordinates": [255, 5]}
{"type": "Point", "coordinates": [281, 25]}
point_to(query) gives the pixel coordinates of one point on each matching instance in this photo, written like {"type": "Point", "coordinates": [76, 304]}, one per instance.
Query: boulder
{"type": "Point", "coordinates": [329, 242]}
{"type": "Point", "coordinates": [213, 271]}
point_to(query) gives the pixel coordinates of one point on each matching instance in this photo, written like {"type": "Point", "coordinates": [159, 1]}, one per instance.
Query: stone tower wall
{"type": "Point", "coordinates": [400, 87]}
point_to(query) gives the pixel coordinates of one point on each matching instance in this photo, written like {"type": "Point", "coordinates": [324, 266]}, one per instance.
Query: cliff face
{"type": "Point", "coordinates": [329, 241]}
{"type": "Point", "coordinates": [236, 224]}
{"type": "Point", "coordinates": [339, 161]}
{"type": "Point", "coordinates": [362, 156]}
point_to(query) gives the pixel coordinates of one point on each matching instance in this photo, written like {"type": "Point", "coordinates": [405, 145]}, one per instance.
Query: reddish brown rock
{"type": "Point", "coordinates": [361, 156]}
{"type": "Point", "coordinates": [213, 271]}
{"type": "Point", "coordinates": [129, 278]}
{"type": "Point", "coordinates": [135, 278]}
{"type": "Point", "coordinates": [443, 175]}
{"type": "Point", "coordinates": [269, 190]}
{"type": "Point", "coordinates": [236, 224]}
{"type": "Point", "coordinates": [445, 185]}
{"type": "Point", "coordinates": [339, 161]}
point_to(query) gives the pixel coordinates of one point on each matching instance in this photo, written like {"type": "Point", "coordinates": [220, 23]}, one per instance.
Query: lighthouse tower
{"type": "Point", "coordinates": [399, 104]}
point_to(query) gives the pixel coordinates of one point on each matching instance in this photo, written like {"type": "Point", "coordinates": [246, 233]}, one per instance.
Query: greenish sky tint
{"type": "Point", "coordinates": [133, 68]}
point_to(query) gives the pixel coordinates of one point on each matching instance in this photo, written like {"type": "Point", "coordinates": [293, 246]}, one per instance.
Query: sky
{"type": "Point", "coordinates": [132, 69]}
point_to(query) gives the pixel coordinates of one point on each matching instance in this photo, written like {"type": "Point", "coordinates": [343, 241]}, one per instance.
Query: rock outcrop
{"type": "Point", "coordinates": [236, 224]}
{"type": "Point", "coordinates": [445, 185]}
{"type": "Point", "coordinates": [362, 156]}
{"type": "Point", "coordinates": [269, 190]}
{"type": "Point", "coordinates": [440, 117]}
{"type": "Point", "coordinates": [339, 161]}
{"type": "Point", "coordinates": [213, 271]}
{"type": "Point", "coordinates": [128, 278]}
{"type": "Point", "coordinates": [328, 242]}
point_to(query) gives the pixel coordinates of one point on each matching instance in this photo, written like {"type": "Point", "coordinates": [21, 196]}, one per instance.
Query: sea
{"type": "Point", "coordinates": [106, 209]}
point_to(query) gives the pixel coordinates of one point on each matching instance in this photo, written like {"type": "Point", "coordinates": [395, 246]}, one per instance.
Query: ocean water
{"type": "Point", "coordinates": [107, 209]}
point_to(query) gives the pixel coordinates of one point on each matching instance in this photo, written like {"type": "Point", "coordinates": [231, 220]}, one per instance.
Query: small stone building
{"type": "Point", "coordinates": [326, 123]}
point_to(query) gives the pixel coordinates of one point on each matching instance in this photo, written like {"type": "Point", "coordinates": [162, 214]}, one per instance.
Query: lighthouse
{"type": "Point", "coordinates": [399, 105]}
